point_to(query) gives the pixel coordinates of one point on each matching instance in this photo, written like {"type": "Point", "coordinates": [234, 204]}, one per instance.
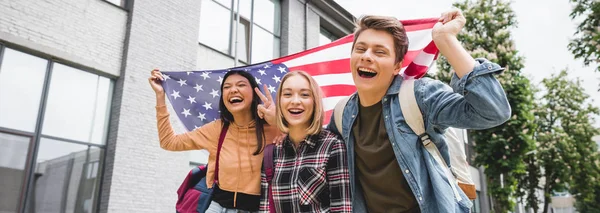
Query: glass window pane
{"type": "Point", "coordinates": [245, 8]}
{"type": "Point", "coordinates": [21, 83]}
{"type": "Point", "coordinates": [267, 15]}
{"type": "Point", "coordinates": [243, 40]}
{"type": "Point", "coordinates": [71, 103]}
{"type": "Point", "coordinates": [265, 46]}
{"type": "Point", "coordinates": [102, 114]}
{"type": "Point", "coordinates": [64, 181]}
{"type": "Point", "coordinates": [214, 26]}
{"type": "Point", "coordinates": [13, 156]}
{"type": "Point", "coordinates": [324, 40]}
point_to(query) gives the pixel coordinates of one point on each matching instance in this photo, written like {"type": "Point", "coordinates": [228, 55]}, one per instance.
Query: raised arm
{"type": "Point", "coordinates": [204, 137]}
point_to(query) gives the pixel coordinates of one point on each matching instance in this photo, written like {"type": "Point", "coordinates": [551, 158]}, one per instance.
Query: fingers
{"type": "Point", "coordinates": [268, 93]}
{"type": "Point", "coordinates": [262, 97]}
{"type": "Point", "coordinates": [156, 75]}
{"type": "Point", "coordinates": [278, 140]}
{"type": "Point", "coordinates": [262, 111]}
{"type": "Point", "coordinates": [450, 15]}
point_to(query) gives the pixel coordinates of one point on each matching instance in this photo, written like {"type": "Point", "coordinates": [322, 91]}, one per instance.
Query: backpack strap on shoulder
{"type": "Point", "coordinates": [338, 113]}
{"type": "Point", "coordinates": [269, 172]}
{"type": "Point", "coordinates": [221, 139]}
{"type": "Point", "coordinates": [414, 119]}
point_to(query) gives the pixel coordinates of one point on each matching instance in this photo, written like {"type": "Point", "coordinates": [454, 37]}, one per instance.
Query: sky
{"type": "Point", "coordinates": [542, 35]}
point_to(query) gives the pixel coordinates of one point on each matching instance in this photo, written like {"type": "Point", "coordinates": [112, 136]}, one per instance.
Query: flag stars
{"type": "Point", "coordinates": [207, 105]}
{"type": "Point", "coordinates": [198, 88]}
{"type": "Point", "coordinates": [191, 99]}
{"type": "Point", "coordinates": [281, 69]}
{"type": "Point", "coordinates": [214, 93]}
{"type": "Point", "coordinates": [182, 82]}
{"type": "Point", "coordinates": [175, 95]}
{"type": "Point", "coordinates": [267, 66]}
{"type": "Point", "coordinates": [271, 88]}
{"type": "Point", "coordinates": [165, 76]}
{"type": "Point", "coordinates": [188, 73]}
{"type": "Point", "coordinates": [220, 80]}
{"type": "Point", "coordinates": [202, 116]}
{"type": "Point", "coordinates": [186, 112]}
{"type": "Point", "coordinates": [205, 75]}
{"type": "Point", "coordinates": [276, 79]}
{"type": "Point", "coordinates": [257, 80]}
{"type": "Point", "coordinates": [262, 72]}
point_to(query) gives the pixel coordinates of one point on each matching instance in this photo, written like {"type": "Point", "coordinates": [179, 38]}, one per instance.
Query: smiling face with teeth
{"type": "Point", "coordinates": [296, 102]}
{"type": "Point", "coordinates": [300, 109]}
{"type": "Point", "coordinates": [373, 63]}
{"type": "Point", "coordinates": [237, 94]}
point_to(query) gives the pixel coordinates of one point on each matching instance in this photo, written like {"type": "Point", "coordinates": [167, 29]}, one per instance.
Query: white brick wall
{"type": "Point", "coordinates": [140, 176]}
{"type": "Point", "coordinates": [85, 32]}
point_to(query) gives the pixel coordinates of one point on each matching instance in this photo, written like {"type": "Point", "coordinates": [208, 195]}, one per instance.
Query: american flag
{"type": "Point", "coordinates": [195, 95]}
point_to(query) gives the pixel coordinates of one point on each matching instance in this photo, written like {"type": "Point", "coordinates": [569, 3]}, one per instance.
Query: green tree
{"type": "Point", "coordinates": [500, 150]}
{"type": "Point", "coordinates": [555, 149]}
{"type": "Point", "coordinates": [577, 122]}
{"type": "Point", "coordinates": [586, 44]}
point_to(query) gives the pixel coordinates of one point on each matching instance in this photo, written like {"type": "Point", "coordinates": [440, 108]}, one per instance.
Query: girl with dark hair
{"type": "Point", "coordinates": [240, 160]}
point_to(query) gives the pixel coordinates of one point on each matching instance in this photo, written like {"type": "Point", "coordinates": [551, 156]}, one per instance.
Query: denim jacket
{"type": "Point", "coordinates": [475, 101]}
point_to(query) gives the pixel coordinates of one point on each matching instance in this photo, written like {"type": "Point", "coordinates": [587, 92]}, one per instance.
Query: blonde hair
{"type": "Point", "coordinates": [316, 121]}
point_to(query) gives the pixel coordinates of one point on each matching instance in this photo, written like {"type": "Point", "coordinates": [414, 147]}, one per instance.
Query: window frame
{"type": "Point", "coordinates": [233, 15]}
{"type": "Point", "coordinates": [36, 135]}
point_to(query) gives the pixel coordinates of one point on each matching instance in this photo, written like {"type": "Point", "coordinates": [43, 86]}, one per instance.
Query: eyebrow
{"type": "Point", "coordinates": [376, 45]}
{"type": "Point", "coordinates": [302, 90]}
{"type": "Point", "coordinates": [240, 81]}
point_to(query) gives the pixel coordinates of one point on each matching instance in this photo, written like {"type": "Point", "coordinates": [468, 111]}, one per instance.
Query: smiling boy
{"type": "Point", "coordinates": [390, 170]}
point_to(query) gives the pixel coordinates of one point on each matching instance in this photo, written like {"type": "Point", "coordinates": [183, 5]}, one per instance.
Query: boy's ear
{"type": "Point", "coordinates": [397, 68]}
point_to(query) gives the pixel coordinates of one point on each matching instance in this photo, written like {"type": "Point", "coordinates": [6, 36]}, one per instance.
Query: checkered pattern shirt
{"type": "Point", "coordinates": [312, 178]}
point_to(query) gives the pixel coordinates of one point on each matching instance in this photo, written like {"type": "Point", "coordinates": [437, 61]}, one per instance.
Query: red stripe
{"type": "Point", "coordinates": [416, 70]}
{"type": "Point", "coordinates": [338, 90]}
{"type": "Point", "coordinates": [419, 21]}
{"type": "Point", "coordinates": [409, 57]}
{"type": "Point", "coordinates": [431, 48]}
{"type": "Point", "coordinates": [327, 67]}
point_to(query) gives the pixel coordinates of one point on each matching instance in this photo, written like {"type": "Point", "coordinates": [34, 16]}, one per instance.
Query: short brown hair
{"type": "Point", "coordinates": [388, 24]}
{"type": "Point", "coordinates": [316, 122]}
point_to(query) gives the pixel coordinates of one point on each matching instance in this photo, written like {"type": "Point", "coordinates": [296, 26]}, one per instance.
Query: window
{"type": "Point", "coordinates": [21, 82]}
{"type": "Point", "coordinates": [476, 203]}
{"type": "Point", "coordinates": [13, 156]}
{"type": "Point", "coordinates": [65, 118]}
{"type": "Point", "coordinates": [258, 29]}
{"type": "Point", "coordinates": [470, 149]}
{"type": "Point", "coordinates": [326, 37]}
{"type": "Point", "coordinates": [76, 114]}
{"type": "Point", "coordinates": [65, 176]}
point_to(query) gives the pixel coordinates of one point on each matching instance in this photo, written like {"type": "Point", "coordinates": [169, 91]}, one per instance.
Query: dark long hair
{"type": "Point", "coordinates": [227, 117]}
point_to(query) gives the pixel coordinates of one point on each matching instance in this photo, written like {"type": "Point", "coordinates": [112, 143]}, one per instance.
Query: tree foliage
{"type": "Point", "coordinates": [586, 43]}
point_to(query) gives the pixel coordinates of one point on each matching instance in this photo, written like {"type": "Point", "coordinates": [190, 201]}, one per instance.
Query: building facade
{"type": "Point", "coordinates": [77, 118]}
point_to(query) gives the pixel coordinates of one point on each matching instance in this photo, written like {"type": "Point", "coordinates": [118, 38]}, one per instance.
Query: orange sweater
{"type": "Point", "coordinates": [239, 170]}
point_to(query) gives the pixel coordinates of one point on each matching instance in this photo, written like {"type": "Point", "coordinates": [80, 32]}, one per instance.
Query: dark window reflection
{"type": "Point", "coordinates": [67, 177]}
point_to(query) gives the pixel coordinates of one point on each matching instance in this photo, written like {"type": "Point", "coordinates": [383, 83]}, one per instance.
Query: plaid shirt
{"type": "Point", "coordinates": [313, 178]}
